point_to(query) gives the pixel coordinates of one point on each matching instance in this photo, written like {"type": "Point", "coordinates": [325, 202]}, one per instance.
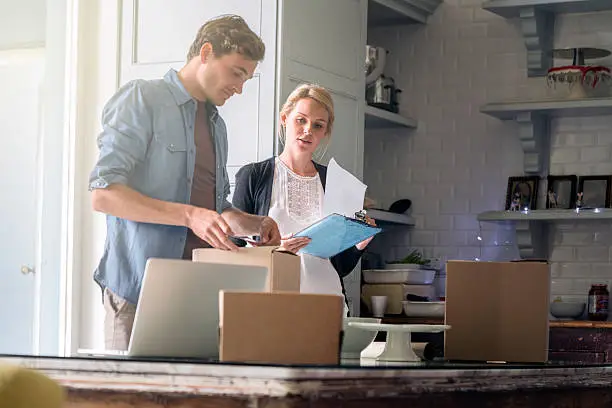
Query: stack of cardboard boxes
{"type": "Point", "coordinates": [498, 311]}
{"type": "Point", "coordinates": [280, 325]}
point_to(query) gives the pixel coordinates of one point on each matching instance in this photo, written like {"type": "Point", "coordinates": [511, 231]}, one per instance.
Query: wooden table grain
{"type": "Point", "coordinates": [122, 383]}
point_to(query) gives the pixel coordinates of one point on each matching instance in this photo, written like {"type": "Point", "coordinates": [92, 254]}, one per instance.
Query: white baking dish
{"type": "Point", "coordinates": [424, 309]}
{"type": "Point", "coordinates": [405, 276]}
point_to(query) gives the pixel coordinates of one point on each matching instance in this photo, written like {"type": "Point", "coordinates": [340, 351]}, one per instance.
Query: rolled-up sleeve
{"type": "Point", "coordinates": [126, 132]}
{"type": "Point", "coordinates": [226, 191]}
{"type": "Point", "coordinates": [223, 186]}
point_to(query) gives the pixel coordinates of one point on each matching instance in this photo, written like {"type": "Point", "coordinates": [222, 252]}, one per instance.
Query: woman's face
{"type": "Point", "coordinates": [305, 126]}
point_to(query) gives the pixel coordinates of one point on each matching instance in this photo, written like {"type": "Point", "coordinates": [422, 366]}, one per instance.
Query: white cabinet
{"type": "Point", "coordinates": [323, 41]}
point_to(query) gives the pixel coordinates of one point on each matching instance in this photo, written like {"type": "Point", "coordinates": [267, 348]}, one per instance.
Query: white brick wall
{"type": "Point", "coordinates": [457, 163]}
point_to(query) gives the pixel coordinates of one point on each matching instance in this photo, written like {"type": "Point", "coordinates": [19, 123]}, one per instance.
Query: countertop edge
{"type": "Point", "coordinates": [239, 380]}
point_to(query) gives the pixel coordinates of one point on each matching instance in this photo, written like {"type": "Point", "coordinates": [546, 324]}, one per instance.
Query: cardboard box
{"type": "Point", "coordinates": [498, 311]}
{"type": "Point", "coordinates": [280, 328]}
{"type": "Point", "coordinates": [283, 266]}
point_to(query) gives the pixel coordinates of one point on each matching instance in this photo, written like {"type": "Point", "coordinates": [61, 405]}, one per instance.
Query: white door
{"type": "Point", "coordinates": [21, 74]}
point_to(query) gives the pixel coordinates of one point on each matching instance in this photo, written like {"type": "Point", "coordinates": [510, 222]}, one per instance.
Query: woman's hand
{"type": "Point", "coordinates": [363, 244]}
{"type": "Point", "coordinates": [294, 244]}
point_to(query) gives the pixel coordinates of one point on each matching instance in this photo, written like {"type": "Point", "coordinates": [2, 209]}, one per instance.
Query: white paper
{"type": "Point", "coordinates": [344, 193]}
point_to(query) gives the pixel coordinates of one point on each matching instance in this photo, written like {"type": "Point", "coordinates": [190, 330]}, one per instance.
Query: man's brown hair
{"type": "Point", "coordinates": [227, 34]}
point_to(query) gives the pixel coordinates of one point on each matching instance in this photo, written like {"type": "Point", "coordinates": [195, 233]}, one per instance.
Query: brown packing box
{"type": "Point", "coordinates": [498, 311]}
{"type": "Point", "coordinates": [283, 266]}
{"type": "Point", "coordinates": [280, 328]}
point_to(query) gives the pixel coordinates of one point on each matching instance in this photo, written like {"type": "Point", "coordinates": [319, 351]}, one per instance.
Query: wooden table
{"type": "Point", "coordinates": [120, 383]}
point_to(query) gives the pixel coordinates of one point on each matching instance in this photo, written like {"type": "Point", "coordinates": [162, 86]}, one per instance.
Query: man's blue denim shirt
{"type": "Point", "coordinates": [147, 143]}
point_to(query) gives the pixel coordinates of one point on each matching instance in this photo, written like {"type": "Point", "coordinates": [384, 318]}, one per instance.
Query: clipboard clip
{"type": "Point", "coordinates": [361, 216]}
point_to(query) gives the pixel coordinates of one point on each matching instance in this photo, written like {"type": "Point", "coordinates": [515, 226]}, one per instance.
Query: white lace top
{"type": "Point", "coordinates": [297, 202]}
{"type": "Point", "coordinates": [300, 196]}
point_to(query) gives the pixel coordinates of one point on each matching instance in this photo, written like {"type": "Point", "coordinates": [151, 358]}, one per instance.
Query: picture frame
{"type": "Point", "coordinates": [561, 192]}
{"type": "Point", "coordinates": [595, 191]}
{"type": "Point", "coordinates": [522, 192]}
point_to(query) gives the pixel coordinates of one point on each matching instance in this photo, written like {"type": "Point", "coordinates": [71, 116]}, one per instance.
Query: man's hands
{"type": "Point", "coordinates": [216, 228]}
{"type": "Point", "coordinates": [269, 235]}
{"type": "Point", "coordinates": [211, 227]}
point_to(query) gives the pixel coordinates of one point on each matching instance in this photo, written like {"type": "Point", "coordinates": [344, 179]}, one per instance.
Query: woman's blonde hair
{"type": "Point", "coordinates": [318, 94]}
{"type": "Point", "coordinates": [227, 34]}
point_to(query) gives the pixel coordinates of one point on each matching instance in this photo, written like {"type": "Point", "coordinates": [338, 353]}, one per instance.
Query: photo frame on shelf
{"type": "Point", "coordinates": [595, 191]}
{"type": "Point", "coordinates": [522, 193]}
{"type": "Point", "coordinates": [561, 192]}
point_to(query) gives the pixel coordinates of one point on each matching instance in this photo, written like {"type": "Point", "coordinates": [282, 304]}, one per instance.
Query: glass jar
{"type": "Point", "coordinates": [598, 302]}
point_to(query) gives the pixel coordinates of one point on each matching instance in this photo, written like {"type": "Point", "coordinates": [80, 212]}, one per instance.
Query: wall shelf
{"type": "Point", "coordinates": [537, 21]}
{"type": "Point", "coordinates": [379, 119]}
{"type": "Point", "coordinates": [400, 12]}
{"type": "Point", "coordinates": [547, 215]}
{"type": "Point", "coordinates": [512, 8]}
{"type": "Point", "coordinates": [551, 107]}
{"type": "Point", "coordinates": [532, 226]}
{"type": "Point", "coordinates": [533, 118]}
{"type": "Point", "coordinates": [390, 218]}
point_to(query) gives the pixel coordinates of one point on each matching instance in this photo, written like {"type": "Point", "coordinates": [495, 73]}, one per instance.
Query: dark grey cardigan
{"type": "Point", "coordinates": [253, 193]}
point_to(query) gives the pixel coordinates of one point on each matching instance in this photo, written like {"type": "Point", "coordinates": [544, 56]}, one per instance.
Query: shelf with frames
{"type": "Point", "coordinates": [532, 225]}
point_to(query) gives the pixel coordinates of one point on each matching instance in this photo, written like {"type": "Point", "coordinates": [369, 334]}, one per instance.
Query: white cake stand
{"type": "Point", "coordinates": [398, 346]}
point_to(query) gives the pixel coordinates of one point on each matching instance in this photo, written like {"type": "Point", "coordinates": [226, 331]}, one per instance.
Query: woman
{"type": "Point", "coordinates": [290, 188]}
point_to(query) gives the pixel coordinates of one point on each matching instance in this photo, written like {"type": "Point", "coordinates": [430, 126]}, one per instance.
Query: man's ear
{"type": "Point", "coordinates": [206, 52]}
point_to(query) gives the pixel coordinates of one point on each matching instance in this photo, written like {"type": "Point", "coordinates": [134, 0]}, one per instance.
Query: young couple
{"type": "Point", "coordinates": [161, 175]}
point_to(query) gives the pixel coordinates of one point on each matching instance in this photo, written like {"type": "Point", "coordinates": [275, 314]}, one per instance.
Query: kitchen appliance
{"type": "Point", "coordinates": [376, 58]}
{"type": "Point", "coordinates": [381, 91]}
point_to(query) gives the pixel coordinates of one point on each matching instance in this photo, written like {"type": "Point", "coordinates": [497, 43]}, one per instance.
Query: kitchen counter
{"type": "Point", "coordinates": [581, 324]}
{"type": "Point", "coordinates": [399, 319]}
{"type": "Point", "coordinates": [119, 382]}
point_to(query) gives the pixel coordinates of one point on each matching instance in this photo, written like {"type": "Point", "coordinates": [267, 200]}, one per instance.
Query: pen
{"type": "Point", "coordinates": [245, 238]}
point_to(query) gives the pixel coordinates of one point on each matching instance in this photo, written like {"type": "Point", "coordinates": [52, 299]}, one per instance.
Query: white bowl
{"type": "Point", "coordinates": [356, 340]}
{"type": "Point", "coordinates": [405, 276]}
{"type": "Point", "coordinates": [424, 309]}
{"type": "Point", "coordinates": [567, 310]}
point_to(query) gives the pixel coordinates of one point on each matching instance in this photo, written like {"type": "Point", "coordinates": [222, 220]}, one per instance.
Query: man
{"type": "Point", "coordinates": [161, 175]}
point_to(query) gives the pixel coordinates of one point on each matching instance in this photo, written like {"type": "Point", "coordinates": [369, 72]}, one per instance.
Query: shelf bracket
{"type": "Point", "coordinates": [532, 239]}
{"type": "Point", "coordinates": [538, 28]}
{"type": "Point", "coordinates": [534, 138]}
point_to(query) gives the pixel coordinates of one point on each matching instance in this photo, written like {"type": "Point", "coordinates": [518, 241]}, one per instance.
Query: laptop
{"type": "Point", "coordinates": [177, 315]}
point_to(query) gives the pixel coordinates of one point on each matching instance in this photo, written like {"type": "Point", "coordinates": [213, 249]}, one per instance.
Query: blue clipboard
{"type": "Point", "coordinates": [334, 234]}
